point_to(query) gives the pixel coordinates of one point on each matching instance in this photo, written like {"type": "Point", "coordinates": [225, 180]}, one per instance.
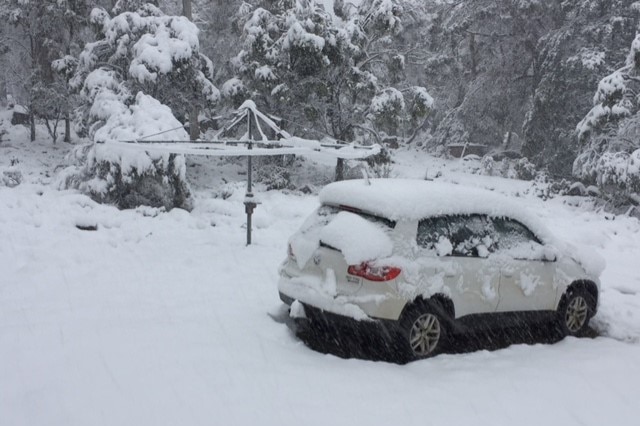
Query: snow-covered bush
{"type": "Point", "coordinates": [488, 165]}
{"type": "Point", "coordinates": [144, 70]}
{"type": "Point", "coordinates": [379, 165]}
{"type": "Point", "coordinates": [128, 177]}
{"type": "Point", "coordinates": [511, 168]}
{"type": "Point", "coordinates": [375, 166]}
{"type": "Point", "coordinates": [524, 169]}
{"type": "Point", "coordinates": [11, 177]}
{"type": "Point", "coordinates": [274, 176]}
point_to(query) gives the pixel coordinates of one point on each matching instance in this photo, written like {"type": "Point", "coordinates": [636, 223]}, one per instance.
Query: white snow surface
{"type": "Point", "coordinates": [161, 318]}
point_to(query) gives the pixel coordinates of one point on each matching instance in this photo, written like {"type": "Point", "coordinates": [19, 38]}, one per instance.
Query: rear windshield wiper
{"type": "Point", "coordinates": [325, 245]}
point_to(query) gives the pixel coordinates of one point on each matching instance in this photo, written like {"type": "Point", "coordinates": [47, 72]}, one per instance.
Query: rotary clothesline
{"type": "Point", "coordinates": [253, 143]}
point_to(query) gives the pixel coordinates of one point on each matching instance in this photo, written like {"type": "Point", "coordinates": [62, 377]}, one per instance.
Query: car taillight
{"type": "Point", "coordinates": [374, 273]}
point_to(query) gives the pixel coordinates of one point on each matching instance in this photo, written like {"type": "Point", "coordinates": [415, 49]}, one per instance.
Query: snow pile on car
{"type": "Point", "coordinates": [358, 239]}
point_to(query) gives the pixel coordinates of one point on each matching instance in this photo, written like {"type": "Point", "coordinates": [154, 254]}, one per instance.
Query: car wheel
{"type": "Point", "coordinates": [575, 311]}
{"type": "Point", "coordinates": [423, 331]}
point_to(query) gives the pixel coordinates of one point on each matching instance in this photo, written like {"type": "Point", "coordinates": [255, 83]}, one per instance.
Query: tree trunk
{"type": "Point", "coordinates": [194, 125]}
{"type": "Point", "coordinates": [472, 51]}
{"type": "Point", "coordinates": [339, 170]}
{"type": "Point", "coordinates": [67, 129]}
{"type": "Point", "coordinates": [3, 92]}
{"type": "Point", "coordinates": [186, 9]}
{"type": "Point", "coordinates": [32, 125]}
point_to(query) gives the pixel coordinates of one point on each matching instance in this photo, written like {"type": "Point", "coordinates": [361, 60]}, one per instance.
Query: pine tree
{"type": "Point", "coordinates": [481, 59]}
{"type": "Point", "coordinates": [144, 51]}
{"type": "Point", "coordinates": [610, 132]}
{"type": "Point", "coordinates": [144, 70]}
{"type": "Point", "coordinates": [41, 33]}
{"type": "Point", "coordinates": [337, 76]}
{"type": "Point", "coordinates": [591, 40]}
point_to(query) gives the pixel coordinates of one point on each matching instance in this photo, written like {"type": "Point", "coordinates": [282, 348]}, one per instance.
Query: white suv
{"type": "Point", "coordinates": [431, 259]}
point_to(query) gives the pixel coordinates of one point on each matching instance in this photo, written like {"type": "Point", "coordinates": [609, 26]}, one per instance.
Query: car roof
{"type": "Point", "coordinates": [413, 199]}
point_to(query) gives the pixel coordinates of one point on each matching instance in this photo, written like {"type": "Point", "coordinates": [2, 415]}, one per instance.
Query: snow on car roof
{"type": "Point", "coordinates": [416, 199]}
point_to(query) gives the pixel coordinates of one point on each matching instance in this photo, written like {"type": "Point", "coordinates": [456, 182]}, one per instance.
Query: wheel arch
{"type": "Point", "coordinates": [585, 285]}
{"type": "Point", "coordinates": [439, 301]}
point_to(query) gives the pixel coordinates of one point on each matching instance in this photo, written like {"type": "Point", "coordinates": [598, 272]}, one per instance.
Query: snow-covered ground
{"type": "Point", "coordinates": [163, 318]}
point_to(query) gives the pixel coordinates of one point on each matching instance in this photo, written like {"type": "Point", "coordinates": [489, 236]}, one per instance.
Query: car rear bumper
{"type": "Point", "coordinates": [345, 336]}
{"type": "Point", "coordinates": [310, 293]}
{"type": "Point", "coordinates": [367, 304]}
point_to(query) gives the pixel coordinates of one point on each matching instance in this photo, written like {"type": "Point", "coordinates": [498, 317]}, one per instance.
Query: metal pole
{"type": "Point", "coordinates": [249, 197]}
{"type": "Point", "coordinates": [249, 158]}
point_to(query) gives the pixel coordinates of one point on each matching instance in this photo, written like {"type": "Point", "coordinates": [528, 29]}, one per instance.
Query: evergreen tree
{"type": "Point", "coordinates": [610, 132]}
{"type": "Point", "coordinates": [144, 70]}
{"type": "Point", "coordinates": [143, 51]}
{"type": "Point", "coordinates": [42, 32]}
{"type": "Point", "coordinates": [481, 58]}
{"type": "Point", "coordinates": [337, 76]}
{"type": "Point", "coordinates": [591, 40]}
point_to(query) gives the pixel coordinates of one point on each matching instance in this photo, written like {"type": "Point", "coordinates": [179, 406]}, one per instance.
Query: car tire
{"type": "Point", "coordinates": [423, 331]}
{"type": "Point", "coordinates": [574, 312]}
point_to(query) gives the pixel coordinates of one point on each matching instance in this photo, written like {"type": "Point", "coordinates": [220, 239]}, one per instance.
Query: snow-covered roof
{"type": "Point", "coordinates": [397, 199]}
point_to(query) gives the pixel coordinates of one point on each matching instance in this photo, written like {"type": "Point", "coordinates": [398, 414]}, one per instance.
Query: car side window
{"type": "Point", "coordinates": [459, 235]}
{"type": "Point", "coordinates": [472, 235]}
{"type": "Point", "coordinates": [516, 239]}
{"type": "Point", "coordinates": [432, 230]}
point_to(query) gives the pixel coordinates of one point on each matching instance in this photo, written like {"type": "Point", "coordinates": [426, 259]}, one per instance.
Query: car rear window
{"type": "Point", "coordinates": [331, 211]}
{"type": "Point", "coordinates": [333, 227]}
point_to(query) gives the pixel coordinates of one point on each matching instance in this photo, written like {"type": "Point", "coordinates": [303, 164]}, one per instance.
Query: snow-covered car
{"type": "Point", "coordinates": [429, 259]}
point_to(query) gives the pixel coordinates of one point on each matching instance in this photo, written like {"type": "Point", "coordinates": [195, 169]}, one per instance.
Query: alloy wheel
{"type": "Point", "coordinates": [425, 334]}
{"type": "Point", "coordinates": [576, 314]}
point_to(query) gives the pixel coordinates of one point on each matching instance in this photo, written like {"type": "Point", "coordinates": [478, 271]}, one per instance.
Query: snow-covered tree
{"type": "Point", "coordinates": [480, 57]}
{"type": "Point", "coordinates": [591, 39]}
{"type": "Point", "coordinates": [151, 52]}
{"type": "Point", "coordinates": [334, 75]}
{"type": "Point", "coordinates": [220, 37]}
{"type": "Point", "coordinates": [41, 32]}
{"type": "Point", "coordinates": [144, 70]}
{"type": "Point", "coordinates": [610, 132]}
